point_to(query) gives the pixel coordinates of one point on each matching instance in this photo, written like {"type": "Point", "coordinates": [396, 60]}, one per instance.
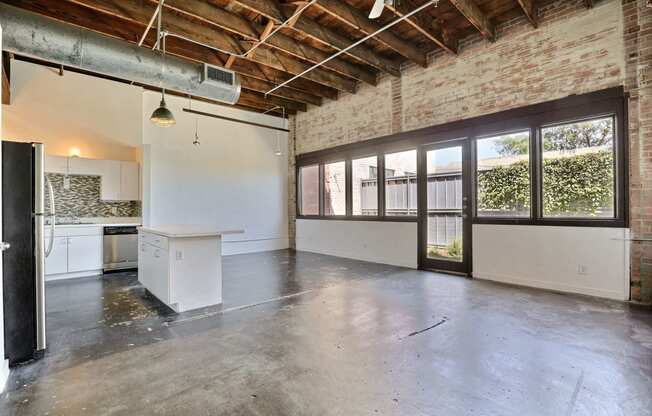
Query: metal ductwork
{"type": "Point", "coordinates": [39, 37]}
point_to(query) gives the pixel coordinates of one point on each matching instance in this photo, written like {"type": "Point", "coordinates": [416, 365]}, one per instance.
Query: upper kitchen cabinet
{"type": "Point", "coordinates": [56, 164]}
{"type": "Point", "coordinates": [129, 181]}
{"type": "Point", "coordinates": [120, 181]}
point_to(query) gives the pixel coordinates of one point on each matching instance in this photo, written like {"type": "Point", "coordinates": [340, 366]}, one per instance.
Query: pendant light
{"type": "Point", "coordinates": [162, 117]}
{"type": "Point", "coordinates": [278, 151]}
{"type": "Point", "coordinates": [196, 141]}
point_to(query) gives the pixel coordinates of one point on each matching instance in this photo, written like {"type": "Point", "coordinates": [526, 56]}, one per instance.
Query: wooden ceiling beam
{"type": "Point", "coordinates": [355, 18]}
{"type": "Point", "coordinates": [140, 11]}
{"type": "Point", "coordinates": [234, 23]}
{"type": "Point", "coordinates": [6, 91]}
{"type": "Point", "coordinates": [529, 8]}
{"type": "Point", "coordinates": [425, 25]}
{"type": "Point", "coordinates": [278, 13]}
{"type": "Point", "coordinates": [473, 14]}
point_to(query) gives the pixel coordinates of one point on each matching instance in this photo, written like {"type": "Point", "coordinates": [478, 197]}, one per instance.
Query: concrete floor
{"type": "Point", "coordinates": [349, 338]}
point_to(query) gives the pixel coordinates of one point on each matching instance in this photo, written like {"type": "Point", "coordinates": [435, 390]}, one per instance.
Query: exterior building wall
{"type": "Point", "coordinates": [574, 50]}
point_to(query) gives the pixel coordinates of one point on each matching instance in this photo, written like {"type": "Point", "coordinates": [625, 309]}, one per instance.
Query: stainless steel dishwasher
{"type": "Point", "coordinates": [120, 248]}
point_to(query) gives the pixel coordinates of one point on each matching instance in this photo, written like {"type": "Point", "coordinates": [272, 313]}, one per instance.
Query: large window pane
{"type": "Point", "coordinates": [444, 201]}
{"type": "Point", "coordinates": [335, 188]}
{"type": "Point", "coordinates": [578, 169]}
{"type": "Point", "coordinates": [401, 183]}
{"type": "Point", "coordinates": [365, 185]}
{"type": "Point", "coordinates": [503, 172]}
{"type": "Point", "coordinates": [309, 190]}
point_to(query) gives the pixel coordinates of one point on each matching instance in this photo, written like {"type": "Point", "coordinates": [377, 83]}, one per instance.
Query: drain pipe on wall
{"type": "Point", "coordinates": [382, 29]}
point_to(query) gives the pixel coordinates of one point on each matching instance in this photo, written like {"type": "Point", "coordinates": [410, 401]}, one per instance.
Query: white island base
{"type": "Point", "coordinates": [182, 265]}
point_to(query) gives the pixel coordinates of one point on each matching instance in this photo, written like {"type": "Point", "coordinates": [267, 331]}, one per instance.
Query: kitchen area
{"type": "Point", "coordinates": [97, 209]}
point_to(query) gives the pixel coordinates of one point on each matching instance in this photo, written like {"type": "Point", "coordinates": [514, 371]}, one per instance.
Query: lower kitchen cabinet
{"type": "Point", "coordinates": [84, 253]}
{"type": "Point", "coordinates": [57, 261]}
{"type": "Point", "coordinates": [76, 252]}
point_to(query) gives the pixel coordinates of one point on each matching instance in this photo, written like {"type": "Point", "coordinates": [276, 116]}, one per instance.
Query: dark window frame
{"type": "Point", "coordinates": [322, 188]}
{"type": "Point", "coordinates": [608, 102]}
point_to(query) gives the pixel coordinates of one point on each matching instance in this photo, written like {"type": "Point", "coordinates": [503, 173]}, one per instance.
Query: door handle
{"type": "Point", "coordinates": [4, 246]}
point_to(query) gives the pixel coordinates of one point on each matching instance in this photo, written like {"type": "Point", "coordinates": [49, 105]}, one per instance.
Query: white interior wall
{"type": "Point", "coordinates": [233, 180]}
{"type": "Point", "coordinates": [379, 242]}
{"type": "Point", "coordinates": [536, 256]}
{"type": "Point", "coordinates": [101, 118]}
{"type": "Point", "coordinates": [551, 258]}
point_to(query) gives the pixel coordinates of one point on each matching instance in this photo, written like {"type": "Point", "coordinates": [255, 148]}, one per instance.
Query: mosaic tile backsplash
{"type": "Point", "coordinates": [83, 199]}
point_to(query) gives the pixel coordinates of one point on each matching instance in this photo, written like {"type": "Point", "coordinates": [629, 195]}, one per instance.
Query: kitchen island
{"type": "Point", "coordinates": [182, 264]}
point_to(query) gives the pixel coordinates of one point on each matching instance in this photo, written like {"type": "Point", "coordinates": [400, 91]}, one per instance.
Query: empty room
{"type": "Point", "coordinates": [326, 207]}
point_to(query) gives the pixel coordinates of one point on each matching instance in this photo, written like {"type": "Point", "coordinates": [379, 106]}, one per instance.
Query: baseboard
{"type": "Point", "coordinates": [232, 247]}
{"type": "Point", "coordinates": [75, 275]}
{"type": "Point", "coordinates": [558, 287]}
{"type": "Point", "coordinates": [4, 374]}
{"type": "Point", "coordinates": [389, 261]}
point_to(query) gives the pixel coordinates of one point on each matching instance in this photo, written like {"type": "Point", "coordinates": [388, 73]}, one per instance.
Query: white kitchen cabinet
{"type": "Point", "coordinates": [84, 253]}
{"type": "Point", "coordinates": [76, 252]}
{"type": "Point", "coordinates": [129, 181]}
{"type": "Point", "coordinates": [120, 180]}
{"type": "Point", "coordinates": [84, 166]}
{"type": "Point", "coordinates": [56, 164]}
{"type": "Point", "coordinates": [57, 261]}
{"type": "Point", "coordinates": [110, 189]}
{"type": "Point", "coordinates": [182, 265]}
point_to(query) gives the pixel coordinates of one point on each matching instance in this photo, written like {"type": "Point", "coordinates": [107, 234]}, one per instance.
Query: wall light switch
{"type": "Point", "coordinates": [582, 269]}
{"type": "Point", "coordinates": [179, 255]}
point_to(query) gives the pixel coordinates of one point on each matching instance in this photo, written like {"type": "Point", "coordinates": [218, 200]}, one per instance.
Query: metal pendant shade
{"type": "Point", "coordinates": [162, 116]}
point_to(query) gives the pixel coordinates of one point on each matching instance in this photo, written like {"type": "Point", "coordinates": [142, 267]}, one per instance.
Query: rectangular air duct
{"type": "Point", "coordinates": [39, 37]}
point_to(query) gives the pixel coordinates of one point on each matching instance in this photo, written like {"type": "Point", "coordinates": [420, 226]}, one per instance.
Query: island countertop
{"type": "Point", "coordinates": [188, 231]}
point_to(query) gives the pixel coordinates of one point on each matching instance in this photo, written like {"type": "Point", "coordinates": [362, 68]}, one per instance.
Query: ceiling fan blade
{"type": "Point", "coordinates": [377, 10]}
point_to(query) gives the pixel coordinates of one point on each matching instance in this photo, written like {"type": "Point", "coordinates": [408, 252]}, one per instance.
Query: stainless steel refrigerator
{"type": "Point", "coordinates": [23, 223]}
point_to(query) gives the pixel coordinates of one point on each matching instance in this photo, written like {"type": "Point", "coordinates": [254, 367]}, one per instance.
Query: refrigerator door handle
{"type": "Point", "coordinates": [52, 217]}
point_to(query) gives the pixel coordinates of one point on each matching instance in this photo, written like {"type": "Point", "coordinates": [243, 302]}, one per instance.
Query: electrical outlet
{"type": "Point", "coordinates": [582, 269]}
{"type": "Point", "coordinates": [114, 210]}
{"type": "Point", "coordinates": [179, 255]}
{"type": "Point", "coordinates": [66, 182]}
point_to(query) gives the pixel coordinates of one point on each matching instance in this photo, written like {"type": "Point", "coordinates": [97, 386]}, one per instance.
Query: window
{"type": "Point", "coordinates": [364, 173]}
{"type": "Point", "coordinates": [503, 175]}
{"type": "Point", "coordinates": [401, 183]}
{"type": "Point", "coordinates": [578, 169]}
{"type": "Point", "coordinates": [335, 188]}
{"type": "Point", "coordinates": [309, 190]}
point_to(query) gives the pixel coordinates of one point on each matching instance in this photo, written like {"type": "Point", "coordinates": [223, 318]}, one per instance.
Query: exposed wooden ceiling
{"type": "Point", "coordinates": [323, 29]}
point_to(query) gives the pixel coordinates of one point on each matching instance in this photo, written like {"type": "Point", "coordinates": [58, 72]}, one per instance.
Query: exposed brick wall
{"type": "Point", "coordinates": [573, 51]}
{"type": "Point", "coordinates": [638, 40]}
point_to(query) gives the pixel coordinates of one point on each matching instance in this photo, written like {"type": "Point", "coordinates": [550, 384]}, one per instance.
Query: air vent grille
{"type": "Point", "coordinates": [215, 74]}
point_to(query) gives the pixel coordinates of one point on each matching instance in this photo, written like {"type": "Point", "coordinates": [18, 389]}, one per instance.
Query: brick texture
{"type": "Point", "coordinates": [574, 50]}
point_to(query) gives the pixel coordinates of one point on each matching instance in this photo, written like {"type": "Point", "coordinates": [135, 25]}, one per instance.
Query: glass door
{"type": "Point", "coordinates": [444, 226]}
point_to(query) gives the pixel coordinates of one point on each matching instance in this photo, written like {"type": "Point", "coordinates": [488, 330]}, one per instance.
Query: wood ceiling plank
{"type": "Point", "coordinates": [239, 25]}
{"type": "Point", "coordinates": [6, 91]}
{"type": "Point", "coordinates": [476, 17]}
{"type": "Point", "coordinates": [140, 11]}
{"type": "Point", "coordinates": [355, 18]}
{"type": "Point", "coordinates": [337, 41]}
{"type": "Point", "coordinates": [425, 25]}
{"type": "Point", "coordinates": [529, 8]}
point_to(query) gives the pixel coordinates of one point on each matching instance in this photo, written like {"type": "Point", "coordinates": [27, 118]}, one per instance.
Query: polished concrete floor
{"type": "Point", "coordinates": [305, 334]}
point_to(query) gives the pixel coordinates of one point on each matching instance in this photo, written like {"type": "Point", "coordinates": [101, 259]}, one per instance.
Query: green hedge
{"type": "Point", "coordinates": [577, 185]}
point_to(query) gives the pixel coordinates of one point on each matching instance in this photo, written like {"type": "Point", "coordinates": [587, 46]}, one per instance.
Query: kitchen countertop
{"type": "Point", "coordinates": [188, 231]}
{"type": "Point", "coordinates": [102, 222]}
